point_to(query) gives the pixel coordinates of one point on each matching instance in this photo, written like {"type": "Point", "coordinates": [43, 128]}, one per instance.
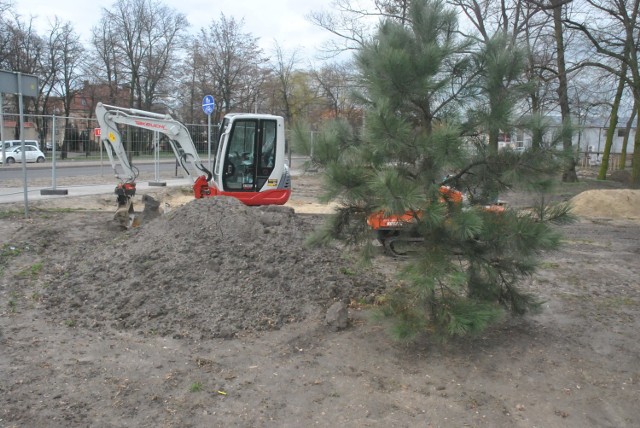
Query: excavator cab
{"type": "Point", "coordinates": [250, 161]}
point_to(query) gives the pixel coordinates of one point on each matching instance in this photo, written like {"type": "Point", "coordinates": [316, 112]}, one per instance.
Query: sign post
{"type": "Point", "coordinates": [208, 106]}
{"type": "Point", "coordinates": [12, 82]}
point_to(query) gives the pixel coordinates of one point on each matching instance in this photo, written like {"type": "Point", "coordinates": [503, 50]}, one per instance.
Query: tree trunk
{"type": "Point", "coordinates": [635, 163]}
{"type": "Point", "coordinates": [625, 140]}
{"type": "Point", "coordinates": [569, 172]}
{"type": "Point", "coordinates": [613, 123]}
{"type": "Point", "coordinates": [494, 135]}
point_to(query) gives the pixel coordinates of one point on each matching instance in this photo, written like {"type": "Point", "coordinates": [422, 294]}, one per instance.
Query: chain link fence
{"type": "Point", "coordinates": [73, 137]}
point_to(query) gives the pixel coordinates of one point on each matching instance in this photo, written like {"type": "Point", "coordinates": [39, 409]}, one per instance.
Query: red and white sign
{"type": "Point", "coordinates": [96, 132]}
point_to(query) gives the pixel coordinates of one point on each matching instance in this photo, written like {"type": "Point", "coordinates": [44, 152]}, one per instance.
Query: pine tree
{"type": "Point", "coordinates": [463, 273]}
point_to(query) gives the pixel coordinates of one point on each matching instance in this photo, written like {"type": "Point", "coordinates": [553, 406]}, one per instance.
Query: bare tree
{"type": "Point", "coordinates": [538, 73]}
{"type": "Point", "coordinates": [489, 17]}
{"type": "Point", "coordinates": [616, 36]}
{"type": "Point", "coordinates": [569, 173]}
{"type": "Point", "coordinates": [304, 101]}
{"type": "Point", "coordinates": [613, 122]}
{"type": "Point", "coordinates": [164, 31]}
{"type": "Point", "coordinates": [233, 68]}
{"type": "Point", "coordinates": [353, 24]}
{"type": "Point", "coordinates": [66, 53]}
{"type": "Point", "coordinates": [62, 71]}
{"type": "Point", "coordinates": [6, 33]}
{"type": "Point", "coordinates": [142, 38]}
{"type": "Point", "coordinates": [283, 68]}
{"type": "Point", "coordinates": [22, 46]}
{"type": "Point", "coordinates": [23, 50]}
{"type": "Point", "coordinates": [336, 84]}
{"type": "Point", "coordinates": [190, 85]}
{"type": "Point", "coordinates": [105, 54]}
{"type": "Point", "coordinates": [520, 20]}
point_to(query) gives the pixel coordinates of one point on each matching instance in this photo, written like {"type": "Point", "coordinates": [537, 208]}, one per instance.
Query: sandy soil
{"type": "Point", "coordinates": [218, 319]}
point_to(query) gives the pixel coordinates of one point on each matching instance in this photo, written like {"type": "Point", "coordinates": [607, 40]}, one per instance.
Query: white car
{"type": "Point", "coordinates": [49, 145]}
{"type": "Point", "coordinates": [14, 154]}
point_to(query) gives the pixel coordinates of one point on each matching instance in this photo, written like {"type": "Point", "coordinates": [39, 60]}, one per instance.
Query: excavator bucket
{"type": "Point", "coordinates": [125, 216]}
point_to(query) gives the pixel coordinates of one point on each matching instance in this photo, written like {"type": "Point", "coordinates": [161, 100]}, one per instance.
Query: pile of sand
{"type": "Point", "coordinates": [210, 268]}
{"type": "Point", "coordinates": [614, 204]}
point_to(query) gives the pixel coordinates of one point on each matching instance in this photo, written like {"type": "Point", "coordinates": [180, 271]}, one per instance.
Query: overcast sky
{"type": "Point", "coordinates": [271, 20]}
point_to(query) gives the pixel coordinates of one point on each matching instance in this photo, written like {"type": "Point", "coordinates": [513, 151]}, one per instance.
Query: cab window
{"type": "Point", "coordinates": [251, 154]}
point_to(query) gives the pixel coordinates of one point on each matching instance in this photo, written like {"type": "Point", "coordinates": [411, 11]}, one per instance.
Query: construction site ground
{"type": "Point", "coordinates": [213, 315]}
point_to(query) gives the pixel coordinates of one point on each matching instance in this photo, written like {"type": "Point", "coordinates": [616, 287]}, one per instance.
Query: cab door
{"type": "Point", "coordinates": [250, 155]}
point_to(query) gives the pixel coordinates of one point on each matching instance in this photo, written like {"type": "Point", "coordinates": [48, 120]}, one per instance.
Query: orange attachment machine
{"type": "Point", "coordinates": [393, 229]}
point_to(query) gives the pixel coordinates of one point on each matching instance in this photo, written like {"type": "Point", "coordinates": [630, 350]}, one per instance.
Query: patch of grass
{"type": "Point", "coordinates": [550, 265]}
{"type": "Point", "coordinates": [574, 280]}
{"type": "Point", "coordinates": [602, 303]}
{"type": "Point", "coordinates": [8, 214]}
{"type": "Point", "coordinates": [585, 242]}
{"type": "Point", "coordinates": [616, 302]}
{"type": "Point", "coordinates": [12, 305]}
{"type": "Point", "coordinates": [10, 250]}
{"type": "Point", "coordinates": [196, 387]}
{"type": "Point", "coordinates": [70, 323]}
{"type": "Point", "coordinates": [347, 271]}
{"type": "Point", "coordinates": [59, 210]}
{"type": "Point", "coordinates": [32, 271]}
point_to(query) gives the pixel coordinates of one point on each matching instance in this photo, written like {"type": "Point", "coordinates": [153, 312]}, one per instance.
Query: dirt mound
{"type": "Point", "coordinates": [210, 268]}
{"type": "Point", "coordinates": [615, 204]}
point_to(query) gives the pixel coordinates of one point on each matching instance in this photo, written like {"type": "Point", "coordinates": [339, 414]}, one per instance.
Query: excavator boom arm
{"type": "Point", "coordinates": [180, 140]}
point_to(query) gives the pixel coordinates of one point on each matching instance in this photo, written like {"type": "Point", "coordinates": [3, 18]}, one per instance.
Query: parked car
{"type": "Point", "coordinates": [49, 145]}
{"type": "Point", "coordinates": [13, 143]}
{"type": "Point", "coordinates": [14, 154]}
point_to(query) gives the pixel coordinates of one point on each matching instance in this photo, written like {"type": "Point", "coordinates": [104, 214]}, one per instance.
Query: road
{"type": "Point", "coordinates": [78, 169]}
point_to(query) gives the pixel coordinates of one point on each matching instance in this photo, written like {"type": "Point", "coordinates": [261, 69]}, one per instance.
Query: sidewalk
{"type": "Point", "coordinates": [15, 194]}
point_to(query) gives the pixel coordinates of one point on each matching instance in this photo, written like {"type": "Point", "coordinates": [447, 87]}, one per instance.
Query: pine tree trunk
{"type": "Point", "coordinates": [493, 140]}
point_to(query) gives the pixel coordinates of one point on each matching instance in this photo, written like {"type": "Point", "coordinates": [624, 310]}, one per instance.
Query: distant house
{"type": "Point", "coordinates": [11, 129]}
{"type": "Point", "coordinates": [587, 137]}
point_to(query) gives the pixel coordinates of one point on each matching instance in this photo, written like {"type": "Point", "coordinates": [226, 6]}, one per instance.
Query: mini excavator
{"type": "Point", "coordinates": [395, 231]}
{"type": "Point", "coordinates": [249, 163]}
